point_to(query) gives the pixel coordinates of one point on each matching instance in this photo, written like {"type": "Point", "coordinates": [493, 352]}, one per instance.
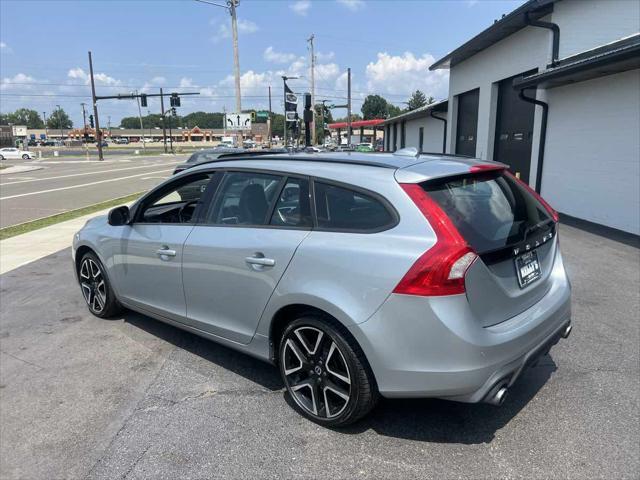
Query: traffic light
{"type": "Point", "coordinates": [143, 100]}
{"type": "Point", "coordinates": [173, 111]}
{"type": "Point", "coordinates": [253, 116]}
{"type": "Point", "coordinates": [174, 100]}
{"type": "Point", "coordinates": [91, 120]}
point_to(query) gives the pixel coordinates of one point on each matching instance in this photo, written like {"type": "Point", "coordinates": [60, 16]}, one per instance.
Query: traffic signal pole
{"type": "Point", "coordinates": [95, 110]}
{"type": "Point", "coordinates": [164, 127]}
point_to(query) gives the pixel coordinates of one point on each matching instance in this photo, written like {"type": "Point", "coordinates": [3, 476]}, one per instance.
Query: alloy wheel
{"type": "Point", "coordinates": [316, 372]}
{"type": "Point", "coordinates": [93, 285]}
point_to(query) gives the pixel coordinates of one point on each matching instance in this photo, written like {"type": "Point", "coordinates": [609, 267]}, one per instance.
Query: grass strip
{"type": "Point", "coordinates": [21, 228]}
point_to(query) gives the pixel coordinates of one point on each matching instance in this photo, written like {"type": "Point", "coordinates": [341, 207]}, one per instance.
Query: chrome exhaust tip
{"type": "Point", "coordinates": [498, 397]}
{"type": "Point", "coordinates": [567, 331]}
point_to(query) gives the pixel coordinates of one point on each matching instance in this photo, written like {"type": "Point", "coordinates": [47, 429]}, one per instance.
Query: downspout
{"type": "Point", "coordinates": [444, 136]}
{"type": "Point", "coordinates": [543, 134]}
{"type": "Point", "coordinates": [555, 29]}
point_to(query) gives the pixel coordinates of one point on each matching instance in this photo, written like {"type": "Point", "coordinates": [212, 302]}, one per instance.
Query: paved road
{"type": "Point", "coordinates": [67, 184]}
{"type": "Point", "coordinates": [135, 398]}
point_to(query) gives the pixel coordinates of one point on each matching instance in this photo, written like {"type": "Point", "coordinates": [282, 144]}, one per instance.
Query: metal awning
{"type": "Point", "coordinates": [615, 57]}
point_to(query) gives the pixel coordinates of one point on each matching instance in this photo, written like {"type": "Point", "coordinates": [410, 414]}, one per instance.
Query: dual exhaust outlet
{"type": "Point", "coordinates": [498, 393]}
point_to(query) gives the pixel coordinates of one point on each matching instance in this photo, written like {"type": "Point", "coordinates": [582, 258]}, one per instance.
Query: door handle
{"type": "Point", "coordinates": [261, 261]}
{"type": "Point", "coordinates": [165, 252]}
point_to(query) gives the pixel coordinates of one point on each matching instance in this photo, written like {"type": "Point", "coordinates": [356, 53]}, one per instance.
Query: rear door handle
{"type": "Point", "coordinates": [165, 252]}
{"type": "Point", "coordinates": [261, 261]}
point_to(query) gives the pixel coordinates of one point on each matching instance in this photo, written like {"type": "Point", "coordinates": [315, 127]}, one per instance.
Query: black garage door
{"type": "Point", "coordinates": [467, 125]}
{"type": "Point", "coordinates": [514, 130]}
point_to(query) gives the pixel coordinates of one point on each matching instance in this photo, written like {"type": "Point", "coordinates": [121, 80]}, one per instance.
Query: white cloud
{"type": "Point", "coordinates": [3, 45]}
{"type": "Point", "coordinates": [270, 55]}
{"type": "Point", "coordinates": [352, 5]}
{"type": "Point", "coordinates": [224, 30]}
{"type": "Point", "coordinates": [327, 71]}
{"type": "Point", "coordinates": [186, 82]}
{"type": "Point", "coordinates": [406, 73]}
{"type": "Point", "coordinates": [301, 7]}
{"type": "Point", "coordinates": [100, 78]}
{"type": "Point", "coordinates": [325, 56]}
{"type": "Point", "coordinates": [471, 3]}
{"type": "Point", "coordinates": [5, 48]}
{"type": "Point", "coordinates": [158, 80]}
{"type": "Point", "coordinates": [20, 81]}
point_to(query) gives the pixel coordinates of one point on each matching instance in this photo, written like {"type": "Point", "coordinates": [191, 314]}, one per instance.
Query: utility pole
{"type": "Point", "coordinates": [269, 119]}
{"type": "Point", "coordinates": [84, 118]}
{"type": "Point", "coordinates": [348, 107]}
{"type": "Point", "coordinates": [85, 134]}
{"type": "Point", "coordinates": [144, 144]}
{"type": "Point", "coordinates": [109, 124]}
{"type": "Point", "coordinates": [313, 89]}
{"type": "Point", "coordinates": [46, 130]}
{"type": "Point", "coordinates": [164, 127]}
{"type": "Point", "coordinates": [95, 110]}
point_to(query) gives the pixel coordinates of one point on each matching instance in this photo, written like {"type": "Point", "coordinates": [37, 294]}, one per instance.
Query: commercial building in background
{"type": "Point", "coordinates": [424, 128]}
{"type": "Point", "coordinates": [575, 134]}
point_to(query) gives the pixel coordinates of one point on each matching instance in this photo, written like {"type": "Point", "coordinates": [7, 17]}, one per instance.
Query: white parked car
{"type": "Point", "coordinates": [13, 153]}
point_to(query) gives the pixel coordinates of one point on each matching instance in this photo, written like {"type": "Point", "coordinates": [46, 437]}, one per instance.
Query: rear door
{"type": "Point", "coordinates": [513, 233]}
{"type": "Point", "coordinates": [233, 260]}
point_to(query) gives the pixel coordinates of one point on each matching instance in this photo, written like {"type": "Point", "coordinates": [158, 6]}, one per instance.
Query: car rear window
{"type": "Point", "coordinates": [340, 208]}
{"type": "Point", "coordinates": [490, 210]}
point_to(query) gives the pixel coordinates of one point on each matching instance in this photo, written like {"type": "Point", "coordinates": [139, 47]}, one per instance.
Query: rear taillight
{"type": "Point", "coordinates": [537, 196]}
{"type": "Point", "coordinates": [441, 269]}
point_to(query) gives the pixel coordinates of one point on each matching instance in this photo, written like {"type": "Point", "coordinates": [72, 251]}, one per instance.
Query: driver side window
{"type": "Point", "coordinates": [178, 204]}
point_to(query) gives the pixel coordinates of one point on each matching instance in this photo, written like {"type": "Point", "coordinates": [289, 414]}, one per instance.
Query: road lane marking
{"type": "Point", "coordinates": [32, 179]}
{"type": "Point", "coordinates": [82, 185]}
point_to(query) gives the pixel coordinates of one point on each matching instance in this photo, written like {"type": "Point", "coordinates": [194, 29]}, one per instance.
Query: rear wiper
{"type": "Point", "coordinates": [532, 228]}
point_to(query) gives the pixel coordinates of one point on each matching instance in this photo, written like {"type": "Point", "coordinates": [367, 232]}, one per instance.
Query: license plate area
{"type": "Point", "coordinates": [527, 268]}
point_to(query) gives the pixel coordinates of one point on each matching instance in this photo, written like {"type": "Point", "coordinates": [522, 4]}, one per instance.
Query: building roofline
{"type": "Point", "coordinates": [507, 25]}
{"type": "Point", "coordinates": [440, 106]}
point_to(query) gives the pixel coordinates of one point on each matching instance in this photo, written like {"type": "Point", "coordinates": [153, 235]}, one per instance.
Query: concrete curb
{"type": "Point", "coordinates": [20, 169]}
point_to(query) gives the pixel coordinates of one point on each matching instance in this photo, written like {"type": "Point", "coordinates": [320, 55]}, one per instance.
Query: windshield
{"type": "Point", "coordinates": [491, 210]}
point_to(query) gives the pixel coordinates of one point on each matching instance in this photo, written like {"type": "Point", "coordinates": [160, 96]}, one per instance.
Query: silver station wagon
{"type": "Point", "coordinates": [357, 274]}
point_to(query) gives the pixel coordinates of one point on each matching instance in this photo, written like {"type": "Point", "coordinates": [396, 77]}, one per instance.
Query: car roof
{"type": "Point", "coordinates": [409, 166]}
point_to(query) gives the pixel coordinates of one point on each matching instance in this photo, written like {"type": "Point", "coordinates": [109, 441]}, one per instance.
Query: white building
{"type": "Point", "coordinates": [580, 61]}
{"type": "Point", "coordinates": [423, 128]}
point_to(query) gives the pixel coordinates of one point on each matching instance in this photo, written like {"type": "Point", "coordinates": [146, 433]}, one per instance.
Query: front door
{"type": "Point", "coordinates": [234, 260]}
{"type": "Point", "coordinates": [149, 269]}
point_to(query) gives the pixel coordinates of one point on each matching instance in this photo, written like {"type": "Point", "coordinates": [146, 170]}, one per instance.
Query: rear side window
{"type": "Point", "coordinates": [339, 208]}
{"type": "Point", "coordinates": [293, 208]}
{"type": "Point", "coordinates": [491, 211]}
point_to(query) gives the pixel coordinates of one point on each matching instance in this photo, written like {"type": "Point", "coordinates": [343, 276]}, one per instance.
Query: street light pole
{"type": "Point", "coordinates": [59, 111]}
{"type": "Point", "coordinates": [313, 90]}
{"type": "Point", "coordinates": [95, 110]}
{"type": "Point", "coordinates": [46, 130]}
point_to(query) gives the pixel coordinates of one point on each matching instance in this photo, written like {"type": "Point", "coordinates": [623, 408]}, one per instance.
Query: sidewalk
{"type": "Point", "coordinates": [29, 247]}
{"type": "Point", "coordinates": [20, 169]}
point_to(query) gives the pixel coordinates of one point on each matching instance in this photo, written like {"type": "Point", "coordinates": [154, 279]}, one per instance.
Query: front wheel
{"type": "Point", "coordinates": [25, 157]}
{"type": "Point", "coordinates": [1, 158]}
{"type": "Point", "coordinates": [325, 372]}
{"type": "Point", "coordinates": [96, 290]}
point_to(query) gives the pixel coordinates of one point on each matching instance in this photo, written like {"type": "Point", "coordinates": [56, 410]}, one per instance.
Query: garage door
{"type": "Point", "coordinates": [514, 130]}
{"type": "Point", "coordinates": [467, 125]}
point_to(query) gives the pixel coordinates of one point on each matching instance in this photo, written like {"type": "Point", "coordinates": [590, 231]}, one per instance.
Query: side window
{"type": "Point", "coordinates": [244, 198]}
{"type": "Point", "coordinates": [178, 204]}
{"type": "Point", "coordinates": [293, 208]}
{"type": "Point", "coordinates": [343, 209]}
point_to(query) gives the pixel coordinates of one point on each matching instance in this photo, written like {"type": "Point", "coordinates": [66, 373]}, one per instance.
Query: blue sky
{"type": "Point", "coordinates": [185, 46]}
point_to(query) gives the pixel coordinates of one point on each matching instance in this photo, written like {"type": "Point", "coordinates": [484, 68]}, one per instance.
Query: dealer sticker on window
{"type": "Point", "coordinates": [528, 268]}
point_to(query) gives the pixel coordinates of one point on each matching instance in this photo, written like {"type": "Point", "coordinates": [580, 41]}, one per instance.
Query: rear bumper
{"type": "Point", "coordinates": [434, 347]}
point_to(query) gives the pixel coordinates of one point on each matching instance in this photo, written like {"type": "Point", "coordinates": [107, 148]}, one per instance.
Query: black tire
{"type": "Point", "coordinates": [321, 373]}
{"type": "Point", "coordinates": [100, 299]}
{"type": "Point", "coordinates": [1, 158]}
{"type": "Point", "coordinates": [25, 157]}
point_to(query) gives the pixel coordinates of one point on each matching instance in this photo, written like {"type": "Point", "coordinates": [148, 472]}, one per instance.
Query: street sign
{"type": "Point", "coordinates": [237, 121]}
{"type": "Point", "coordinates": [291, 98]}
{"type": "Point", "coordinates": [292, 117]}
{"type": "Point", "coordinates": [262, 114]}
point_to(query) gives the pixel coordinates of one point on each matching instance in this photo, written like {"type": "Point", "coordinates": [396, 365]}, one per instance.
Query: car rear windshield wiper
{"type": "Point", "coordinates": [538, 225]}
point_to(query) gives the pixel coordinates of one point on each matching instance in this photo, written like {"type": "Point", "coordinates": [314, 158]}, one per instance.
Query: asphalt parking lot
{"type": "Point", "coordinates": [131, 397]}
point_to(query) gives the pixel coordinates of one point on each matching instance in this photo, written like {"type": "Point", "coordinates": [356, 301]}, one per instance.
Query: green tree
{"type": "Point", "coordinates": [418, 99]}
{"type": "Point", "coordinates": [393, 111]}
{"type": "Point", "coordinates": [203, 120]}
{"type": "Point", "coordinates": [327, 117]}
{"type": "Point", "coordinates": [59, 119]}
{"type": "Point", "coordinates": [152, 120]}
{"type": "Point", "coordinates": [277, 125]}
{"type": "Point", "coordinates": [374, 106]}
{"type": "Point", "coordinates": [22, 116]}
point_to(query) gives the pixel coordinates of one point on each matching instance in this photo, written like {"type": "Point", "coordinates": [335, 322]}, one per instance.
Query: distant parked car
{"type": "Point", "coordinates": [32, 143]}
{"type": "Point", "coordinates": [121, 141]}
{"type": "Point", "coordinates": [146, 140]}
{"type": "Point", "coordinates": [364, 147]}
{"type": "Point", "coordinates": [104, 143]}
{"type": "Point", "coordinates": [13, 153]}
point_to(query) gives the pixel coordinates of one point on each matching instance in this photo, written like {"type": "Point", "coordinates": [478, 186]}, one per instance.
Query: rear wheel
{"type": "Point", "coordinates": [25, 157]}
{"type": "Point", "coordinates": [96, 290]}
{"type": "Point", "coordinates": [1, 158]}
{"type": "Point", "coordinates": [325, 372]}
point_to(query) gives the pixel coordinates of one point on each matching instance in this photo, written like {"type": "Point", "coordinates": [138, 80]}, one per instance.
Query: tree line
{"type": "Point", "coordinates": [374, 106]}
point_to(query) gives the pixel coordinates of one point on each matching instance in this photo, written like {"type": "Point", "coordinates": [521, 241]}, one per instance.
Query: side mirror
{"type": "Point", "coordinates": [119, 216]}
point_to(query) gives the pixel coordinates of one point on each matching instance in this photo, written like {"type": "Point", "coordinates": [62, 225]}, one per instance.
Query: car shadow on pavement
{"type": "Point", "coordinates": [427, 420]}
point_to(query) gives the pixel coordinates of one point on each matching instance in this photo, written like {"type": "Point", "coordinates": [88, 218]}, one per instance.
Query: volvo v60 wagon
{"type": "Point", "coordinates": [359, 275]}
